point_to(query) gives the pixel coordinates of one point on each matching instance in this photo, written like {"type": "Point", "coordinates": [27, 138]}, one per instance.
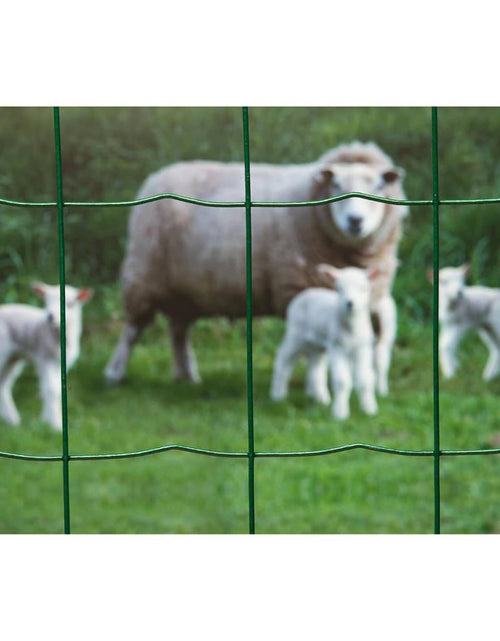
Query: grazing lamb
{"type": "Point", "coordinates": [462, 308]}
{"type": "Point", "coordinates": [32, 333]}
{"type": "Point", "coordinates": [331, 324]}
{"type": "Point", "coordinates": [188, 261]}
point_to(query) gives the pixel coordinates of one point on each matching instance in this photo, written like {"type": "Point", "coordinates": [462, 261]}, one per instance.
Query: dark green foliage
{"type": "Point", "coordinates": [107, 153]}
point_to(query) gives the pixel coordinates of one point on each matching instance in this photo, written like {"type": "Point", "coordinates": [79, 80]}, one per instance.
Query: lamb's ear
{"type": "Point", "coordinates": [40, 289]}
{"type": "Point", "coordinates": [430, 275]}
{"type": "Point", "coordinates": [465, 269]}
{"type": "Point", "coordinates": [84, 294]}
{"type": "Point", "coordinates": [328, 273]}
{"type": "Point", "coordinates": [393, 175]}
{"type": "Point", "coordinates": [373, 273]}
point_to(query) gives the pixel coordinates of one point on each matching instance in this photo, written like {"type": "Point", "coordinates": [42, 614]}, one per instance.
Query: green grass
{"type": "Point", "coordinates": [179, 492]}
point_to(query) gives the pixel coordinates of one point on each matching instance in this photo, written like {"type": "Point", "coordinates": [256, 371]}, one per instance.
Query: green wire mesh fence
{"type": "Point", "coordinates": [436, 453]}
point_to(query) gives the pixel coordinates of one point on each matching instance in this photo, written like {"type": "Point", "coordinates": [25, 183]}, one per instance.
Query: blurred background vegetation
{"type": "Point", "coordinates": [107, 153]}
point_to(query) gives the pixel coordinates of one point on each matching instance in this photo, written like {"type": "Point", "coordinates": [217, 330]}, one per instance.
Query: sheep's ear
{"type": "Point", "coordinates": [373, 273]}
{"type": "Point", "coordinates": [324, 175]}
{"type": "Point", "coordinates": [328, 273]}
{"type": "Point", "coordinates": [84, 295]}
{"type": "Point", "coordinates": [465, 269]}
{"type": "Point", "coordinates": [40, 289]}
{"type": "Point", "coordinates": [430, 275]}
{"type": "Point", "coordinates": [393, 175]}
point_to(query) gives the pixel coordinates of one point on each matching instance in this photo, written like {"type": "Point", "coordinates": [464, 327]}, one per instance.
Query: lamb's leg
{"type": "Point", "coordinates": [365, 379]}
{"type": "Point", "coordinates": [283, 366]}
{"type": "Point", "coordinates": [49, 373]}
{"type": "Point", "coordinates": [386, 313]}
{"type": "Point", "coordinates": [317, 377]}
{"type": "Point", "coordinates": [493, 365]}
{"type": "Point", "coordinates": [117, 366]}
{"type": "Point", "coordinates": [342, 382]}
{"type": "Point", "coordinates": [449, 338]}
{"type": "Point", "coordinates": [10, 370]}
{"type": "Point", "coordinates": [185, 366]}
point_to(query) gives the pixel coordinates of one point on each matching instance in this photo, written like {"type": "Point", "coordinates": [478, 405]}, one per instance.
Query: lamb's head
{"type": "Point", "coordinates": [357, 218]}
{"type": "Point", "coordinates": [353, 285]}
{"type": "Point", "coordinates": [451, 283]}
{"type": "Point", "coordinates": [75, 299]}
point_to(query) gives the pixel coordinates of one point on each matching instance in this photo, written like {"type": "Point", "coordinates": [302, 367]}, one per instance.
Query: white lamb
{"type": "Point", "coordinates": [332, 326]}
{"type": "Point", "coordinates": [462, 308]}
{"type": "Point", "coordinates": [32, 333]}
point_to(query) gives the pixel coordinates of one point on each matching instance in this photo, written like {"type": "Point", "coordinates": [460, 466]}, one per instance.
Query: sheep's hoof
{"type": "Point", "coordinates": [112, 377]}
{"type": "Point", "coordinates": [372, 411]}
{"type": "Point", "coordinates": [12, 421]}
{"type": "Point", "coordinates": [448, 373]}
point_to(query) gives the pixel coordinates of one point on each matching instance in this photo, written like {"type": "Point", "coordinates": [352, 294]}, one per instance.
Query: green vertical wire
{"type": "Point", "coordinates": [248, 218]}
{"type": "Point", "coordinates": [435, 319]}
{"type": "Point", "coordinates": [62, 285]}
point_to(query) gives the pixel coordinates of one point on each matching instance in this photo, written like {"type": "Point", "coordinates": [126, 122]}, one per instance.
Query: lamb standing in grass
{"type": "Point", "coordinates": [32, 333]}
{"type": "Point", "coordinates": [332, 325]}
{"type": "Point", "coordinates": [462, 308]}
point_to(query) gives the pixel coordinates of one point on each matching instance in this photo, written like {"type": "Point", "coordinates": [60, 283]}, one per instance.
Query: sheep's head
{"type": "Point", "coordinates": [50, 294]}
{"type": "Point", "coordinates": [352, 283]}
{"type": "Point", "coordinates": [357, 217]}
{"type": "Point", "coordinates": [451, 283]}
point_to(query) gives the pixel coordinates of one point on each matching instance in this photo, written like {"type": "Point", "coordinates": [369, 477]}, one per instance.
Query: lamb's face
{"type": "Point", "coordinates": [451, 285]}
{"type": "Point", "coordinates": [353, 286]}
{"type": "Point", "coordinates": [358, 218]}
{"type": "Point", "coordinates": [51, 296]}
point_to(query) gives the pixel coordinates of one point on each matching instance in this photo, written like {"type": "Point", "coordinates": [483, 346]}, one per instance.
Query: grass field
{"type": "Point", "coordinates": [179, 492]}
{"type": "Point", "coordinates": [106, 155]}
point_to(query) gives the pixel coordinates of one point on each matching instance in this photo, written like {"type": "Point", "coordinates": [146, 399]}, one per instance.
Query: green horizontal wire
{"type": "Point", "coordinates": [212, 203]}
{"type": "Point", "coordinates": [240, 204]}
{"type": "Point", "coordinates": [220, 454]}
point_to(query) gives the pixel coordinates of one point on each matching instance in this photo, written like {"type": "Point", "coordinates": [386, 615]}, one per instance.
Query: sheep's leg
{"type": "Point", "coordinates": [449, 339]}
{"type": "Point", "coordinates": [185, 366]}
{"type": "Point", "coordinates": [387, 319]}
{"type": "Point", "coordinates": [365, 379]}
{"type": "Point", "coordinates": [317, 377]}
{"type": "Point", "coordinates": [493, 365]}
{"type": "Point", "coordinates": [117, 366]}
{"type": "Point", "coordinates": [10, 370]}
{"type": "Point", "coordinates": [49, 373]}
{"type": "Point", "coordinates": [283, 366]}
{"type": "Point", "coordinates": [342, 382]}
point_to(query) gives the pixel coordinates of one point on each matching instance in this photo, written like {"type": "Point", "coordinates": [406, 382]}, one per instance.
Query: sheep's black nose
{"type": "Point", "coordinates": [50, 318]}
{"type": "Point", "coordinates": [349, 305]}
{"type": "Point", "coordinates": [354, 224]}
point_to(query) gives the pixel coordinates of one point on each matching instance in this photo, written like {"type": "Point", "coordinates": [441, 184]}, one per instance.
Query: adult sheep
{"type": "Point", "coordinates": [188, 261]}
